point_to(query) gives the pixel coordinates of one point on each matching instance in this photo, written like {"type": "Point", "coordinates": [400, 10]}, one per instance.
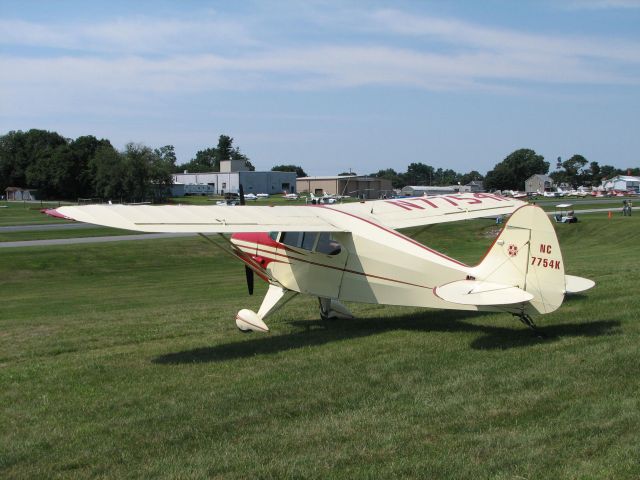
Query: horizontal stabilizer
{"type": "Point", "coordinates": [575, 284]}
{"type": "Point", "coordinates": [473, 292]}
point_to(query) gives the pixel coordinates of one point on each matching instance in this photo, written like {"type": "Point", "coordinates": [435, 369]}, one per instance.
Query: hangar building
{"type": "Point", "coordinates": [420, 190]}
{"type": "Point", "coordinates": [538, 183]}
{"type": "Point", "coordinates": [228, 180]}
{"type": "Point", "coordinates": [360, 186]}
{"type": "Point", "coordinates": [623, 183]}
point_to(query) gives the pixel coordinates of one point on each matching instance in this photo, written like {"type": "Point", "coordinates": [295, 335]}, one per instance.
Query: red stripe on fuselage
{"type": "Point", "coordinates": [298, 259]}
{"type": "Point", "coordinates": [399, 235]}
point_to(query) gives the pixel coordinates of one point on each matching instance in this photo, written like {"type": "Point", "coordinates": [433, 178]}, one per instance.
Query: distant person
{"type": "Point", "coordinates": [629, 207]}
{"type": "Point", "coordinates": [625, 208]}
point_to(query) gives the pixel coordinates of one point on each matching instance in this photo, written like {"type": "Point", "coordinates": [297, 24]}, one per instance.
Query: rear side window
{"type": "Point", "coordinates": [305, 240]}
{"type": "Point", "coordinates": [309, 240]}
{"type": "Point", "coordinates": [327, 245]}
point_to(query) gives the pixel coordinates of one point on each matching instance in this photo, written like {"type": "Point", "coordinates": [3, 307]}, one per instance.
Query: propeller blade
{"type": "Point", "coordinates": [242, 201]}
{"type": "Point", "coordinates": [249, 274]}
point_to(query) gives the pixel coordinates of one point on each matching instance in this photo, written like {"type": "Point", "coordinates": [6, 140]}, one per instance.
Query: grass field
{"type": "Point", "coordinates": [123, 361]}
{"type": "Point", "coordinates": [19, 213]}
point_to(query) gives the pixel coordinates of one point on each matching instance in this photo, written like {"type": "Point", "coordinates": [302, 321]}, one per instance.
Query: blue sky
{"type": "Point", "coordinates": [331, 85]}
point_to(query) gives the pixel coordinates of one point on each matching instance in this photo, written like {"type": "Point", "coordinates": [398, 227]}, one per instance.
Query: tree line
{"type": "Point", "coordinates": [422, 174]}
{"type": "Point", "coordinates": [518, 166]}
{"type": "Point", "coordinates": [64, 168]}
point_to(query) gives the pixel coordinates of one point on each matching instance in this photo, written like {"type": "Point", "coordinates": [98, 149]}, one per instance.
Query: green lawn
{"type": "Point", "coordinates": [123, 361]}
{"type": "Point", "coordinates": [19, 213]}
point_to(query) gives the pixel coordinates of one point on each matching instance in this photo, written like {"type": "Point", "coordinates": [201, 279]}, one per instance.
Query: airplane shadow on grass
{"type": "Point", "coordinates": [317, 332]}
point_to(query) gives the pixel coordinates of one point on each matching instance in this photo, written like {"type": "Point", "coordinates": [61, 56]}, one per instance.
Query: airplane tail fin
{"type": "Point", "coordinates": [527, 255]}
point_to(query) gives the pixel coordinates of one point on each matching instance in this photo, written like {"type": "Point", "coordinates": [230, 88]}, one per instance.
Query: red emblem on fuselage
{"type": "Point", "coordinates": [513, 250]}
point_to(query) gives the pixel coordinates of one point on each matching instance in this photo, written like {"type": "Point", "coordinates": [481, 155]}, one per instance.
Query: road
{"type": "Point", "coordinates": [45, 226]}
{"type": "Point", "coordinates": [72, 241]}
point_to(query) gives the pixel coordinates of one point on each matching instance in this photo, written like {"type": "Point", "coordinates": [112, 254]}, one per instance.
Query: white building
{"type": "Point", "coordinates": [420, 190]}
{"type": "Point", "coordinates": [538, 183]}
{"type": "Point", "coordinates": [219, 183]}
{"type": "Point", "coordinates": [624, 183]}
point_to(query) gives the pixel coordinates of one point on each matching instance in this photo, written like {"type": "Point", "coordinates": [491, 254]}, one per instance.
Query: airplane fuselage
{"type": "Point", "coordinates": [375, 265]}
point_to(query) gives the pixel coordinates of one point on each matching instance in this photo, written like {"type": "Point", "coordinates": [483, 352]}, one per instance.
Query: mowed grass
{"type": "Point", "coordinates": [27, 213]}
{"type": "Point", "coordinates": [123, 361]}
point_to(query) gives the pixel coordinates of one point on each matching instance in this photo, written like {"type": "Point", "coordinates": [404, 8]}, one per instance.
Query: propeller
{"type": "Point", "coordinates": [247, 271]}
{"type": "Point", "coordinates": [242, 200]}
{"type": "Point", "coordinates": [249, 274]}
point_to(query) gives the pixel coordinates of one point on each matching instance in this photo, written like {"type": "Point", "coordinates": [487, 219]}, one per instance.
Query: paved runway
{"type": "Point", "coordinates": [113, 238]}
{"type": "Point", "coordinates": [46, 226]}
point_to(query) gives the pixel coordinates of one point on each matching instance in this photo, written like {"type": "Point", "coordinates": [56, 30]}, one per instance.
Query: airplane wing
{"type": "Point", "coordinates": [318, 218]}
{"type": "Point", "coordinates": [201, 219]}
{"type": "Point", "coordinates": [419, 211]}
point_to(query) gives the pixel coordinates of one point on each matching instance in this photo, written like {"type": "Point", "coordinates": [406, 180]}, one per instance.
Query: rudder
{"type": "Point", "coordinates": [526, 254]}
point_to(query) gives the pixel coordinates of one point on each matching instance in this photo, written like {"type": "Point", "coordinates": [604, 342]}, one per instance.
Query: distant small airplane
{"type": "Point", "coordinates": [548, 194]}
{"type": "Point", "coordinates": [325, 198]}
{"type": "Point", "coordinates": [353, 252]}
{"type": "Point", "coordinates": [517, 194]}
{"type": "Point", "coordinates": [251, 196]}
{"type": "Point", "coordinates": [290, 196]}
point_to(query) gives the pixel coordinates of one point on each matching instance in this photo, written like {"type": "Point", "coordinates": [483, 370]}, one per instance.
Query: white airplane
{"type": "Point", "coordinates": [290, 196]}
{"type": "Point", "coordinates": [325, 198]}
{"type": "Point", "coordinates": [262, 195]}
{"type": "Point", "coordinates": [251, 196]}
{"type": "Point", "coordinates": [517, 194]}
{"type": "Point", "coordinates": [549, 194]}
{"type": "Point", "coordinates": [353, 252]}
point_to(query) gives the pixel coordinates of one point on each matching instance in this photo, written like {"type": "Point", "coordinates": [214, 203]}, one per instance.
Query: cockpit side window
{"type": "Point", "coordinates": [327, 245]}
{"type": "Point", "coordinates": [305, 240]}
{"type": "Point", "coordinates": [293, 239]}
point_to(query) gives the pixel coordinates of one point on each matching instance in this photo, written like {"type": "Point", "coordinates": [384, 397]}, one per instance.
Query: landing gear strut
{"type": "Point", "coordinates": [528, 321]}
{"type": "Point", "coordinates": [333, 309]}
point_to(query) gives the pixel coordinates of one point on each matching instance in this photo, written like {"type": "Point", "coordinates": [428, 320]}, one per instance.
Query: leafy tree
{"type": "Point", "coordinates": [83, 148]}
{"type": "Point", "coordinates": [574, 170]}
{"type": "Point", "coordinates": [419, 174]}
{"type": "Point", "coordinates": [226, 151]}
{"type": "Point", "coordinates": [208, 160]}
{"type": "Point", "coordinates": [608, 171]}
{"type": "Point", "coordinates": [18, 150]}
{"type": "Point", "coordinates": [290, 168]}
{"type": "Point", "coordinates": [108, 172]}
{"type": "Point", "coordinates": [594, 173]}
{"type": "Point", "coordinates": [511, 173]}
{"type": "Point", "coordinates": [446, 177]}
{"type": "Point", "coordinates": [204, 161]}
{"type": "Point", "coordinates": [470, 177]}
{"type": "Point", "coordinates": [163, 163]}
{"type": "Point", "coordinates": [348, 174]}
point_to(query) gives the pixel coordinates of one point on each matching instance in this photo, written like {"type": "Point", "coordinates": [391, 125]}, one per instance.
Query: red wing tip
{"type": "Point", "coordinates": [53, 212]}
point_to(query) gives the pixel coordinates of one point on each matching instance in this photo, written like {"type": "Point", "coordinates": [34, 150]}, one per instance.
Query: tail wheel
{"type": "Point", "coordinates": [325, 308]}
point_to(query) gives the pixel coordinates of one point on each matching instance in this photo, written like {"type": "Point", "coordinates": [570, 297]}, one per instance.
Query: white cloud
{"type": "Point", "coordinates": [603, 4]}
{"type": "Point", "coordinates": [137, 35]}
{"type": "Point", "coordinates": [123, 61]}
